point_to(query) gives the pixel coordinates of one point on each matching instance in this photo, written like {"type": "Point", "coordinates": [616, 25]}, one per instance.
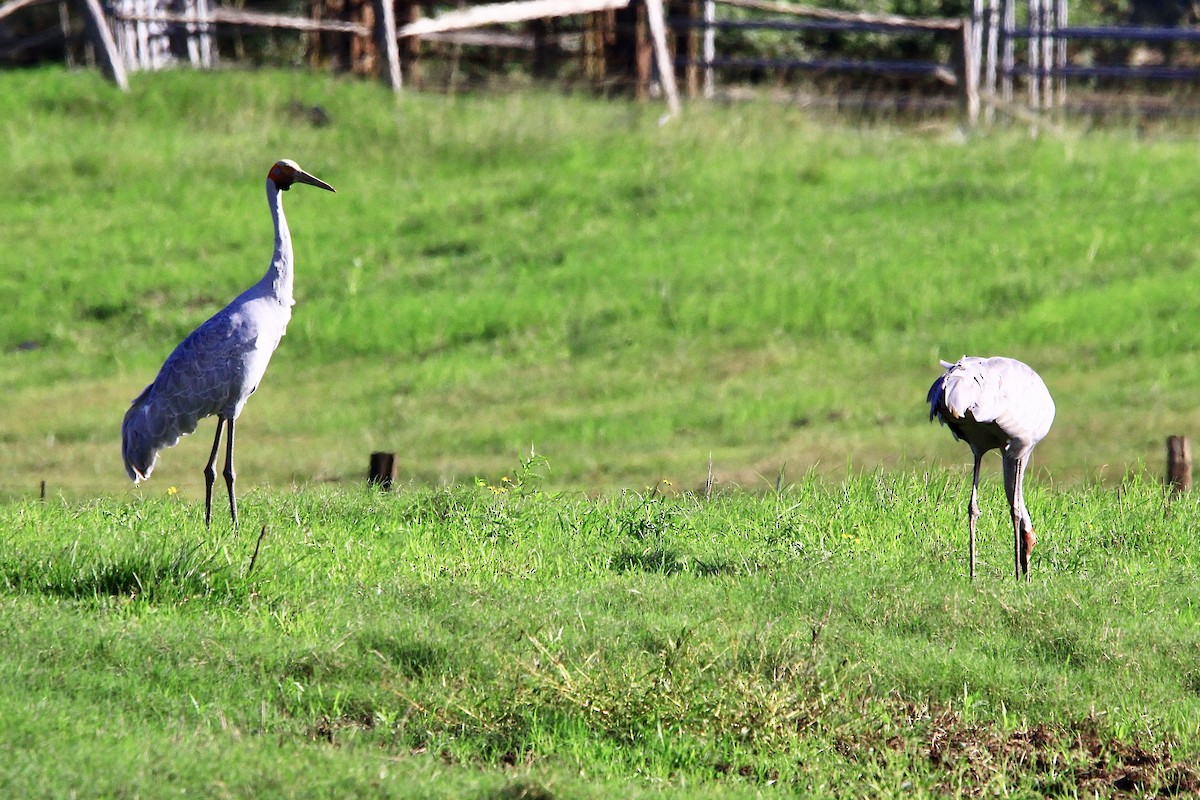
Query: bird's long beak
{"type": "Point", "coordinates": [303, 177]}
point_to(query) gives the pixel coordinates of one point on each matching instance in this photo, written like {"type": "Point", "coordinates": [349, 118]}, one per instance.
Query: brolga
{"type": "Point", "coordinates": [996, 403]}
{"type": "Point", "coordinates": [219, 365]}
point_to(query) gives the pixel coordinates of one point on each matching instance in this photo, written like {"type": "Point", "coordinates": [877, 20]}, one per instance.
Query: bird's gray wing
{"type": "Point", "coordinates": [205, 370]}
{"type": "Point", "coordinates": [196, 381]}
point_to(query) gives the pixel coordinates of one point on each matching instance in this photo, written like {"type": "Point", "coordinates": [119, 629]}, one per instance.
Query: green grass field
{"type": "Point", "coordinates": [746, 287]}
{"type": "Point", "coordinates": [497, 641]}
{"type": "Point", "coordinates": [500, 273]}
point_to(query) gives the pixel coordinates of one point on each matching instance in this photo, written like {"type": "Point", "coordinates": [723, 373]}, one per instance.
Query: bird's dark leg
{"type": "Point", "coordinates": [229, 475]}
{"type": "Point", "coordinates": [1010, 489]}
{"type": "Point", "coordinates": [210, 473]}
{"type": "Point", "coordinates": [1023, 531]}
{"type": "Point", "coordinates": [973, 507]}
{"type": "Point", "coordinates": [1025, 538]}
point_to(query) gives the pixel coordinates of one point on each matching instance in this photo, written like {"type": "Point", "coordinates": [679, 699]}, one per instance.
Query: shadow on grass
{"type": "Point", "coordinates": [149, 576]}
{"type": "Point", "coordinates": [520, 789]}
{"type": "Point", "coordinates": [667, 562]}
{"type": "Point", "coordinates": [413, 659]}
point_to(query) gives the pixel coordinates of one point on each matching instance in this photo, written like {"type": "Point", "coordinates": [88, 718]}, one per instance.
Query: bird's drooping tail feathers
{"type": "Point", "coordinates": [963, 388]}
{"type": "Point", "coordinates": [935, 396]}
{"type": "Point", "coordinates": [147, 429]}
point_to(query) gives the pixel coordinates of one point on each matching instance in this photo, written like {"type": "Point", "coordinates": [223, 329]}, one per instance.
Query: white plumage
{"type": "Point", "coordinates": [219, 365]}
{"type": "Point", "coordinates": [996, 403]}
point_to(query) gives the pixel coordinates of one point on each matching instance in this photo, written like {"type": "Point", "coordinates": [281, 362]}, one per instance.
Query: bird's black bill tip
{"type": "Point", "coordinates": [304, 177]}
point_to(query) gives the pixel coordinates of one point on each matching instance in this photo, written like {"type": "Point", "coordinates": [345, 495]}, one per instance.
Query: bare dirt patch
{"type": "Point", "coordinates": [1077, 758]}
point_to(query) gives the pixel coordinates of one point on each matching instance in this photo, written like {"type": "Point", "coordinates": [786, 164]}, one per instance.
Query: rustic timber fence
{"type": "Point", "coordinates": [145, 43]}
{"type": "Point", "coordinates": [382, 24]}
{"type": "Point", "coordinates": [962, 70]}
{"type": "Point", "coordinates": [98, 32]}
{"type": "Point", "coordinates": [153, 33]}
{"type": "Point", "coordinates": [990, 54]}
{"type": "Point", "coordinates": [984, 64]}
{"type": "Point", "coordinates": [1047, 67]}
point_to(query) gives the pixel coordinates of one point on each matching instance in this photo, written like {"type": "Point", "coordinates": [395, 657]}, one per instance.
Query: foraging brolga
{"type": "Point", "coordinates": [992, 403]}
{"type": "Point", "coordinates": [219, 365]}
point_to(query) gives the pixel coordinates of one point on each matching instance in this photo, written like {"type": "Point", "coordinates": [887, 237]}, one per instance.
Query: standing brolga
{"type": "Point", "coordinates": [218, 366]}
{"type": "Point", "coordinates": [994, 403]}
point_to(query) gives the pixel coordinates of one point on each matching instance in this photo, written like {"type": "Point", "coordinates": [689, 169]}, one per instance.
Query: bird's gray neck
{"type": "Point", "coordinates": [279, 274]}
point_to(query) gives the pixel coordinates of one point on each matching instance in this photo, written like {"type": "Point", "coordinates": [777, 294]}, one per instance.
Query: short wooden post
{"type": "Point", "coordinates": [383, 470]}
{"type": "Point", "coordinates": [1179, 463]}
{"type": "Point", "coordinates": [102, 39]}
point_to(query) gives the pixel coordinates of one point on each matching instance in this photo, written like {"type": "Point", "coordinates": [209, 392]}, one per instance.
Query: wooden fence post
{"type": "Point", "coordinates": [386, 44]}
{"type": "Point", "coordinates": [968, 71]}
{"type": "Point", "coordinates": [691, 74]}
{"type": "Point", "coordinates": [991, 53]}
{"type": "Point", "coordinates": [1008, 59]}
{"type": "Point", "coordinates": [408, 12]}
{"type": "Point", "coordinates": [594, 49]}
{"type": "Point", "coordinates": [710, 48]}
{"type": "Point", "coordinates": [662, 53]}
{"type": "Point", "coordinates": [383, 470]}
{"type": "Point", "coordinates": [541, 65]}
{"type": "Point", "coordinates": [1036, 49]}
{"type": "Point", "coordinates": [643, 53]}
{"type": "Point", "coordinates": [102, 40]}
{"type": "Point", "coordinates": [1060, 49]}
{"type": "Point", "coordinates": [1179, 463]}
{"type": "Point", "coordinates": [1047, 54]}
